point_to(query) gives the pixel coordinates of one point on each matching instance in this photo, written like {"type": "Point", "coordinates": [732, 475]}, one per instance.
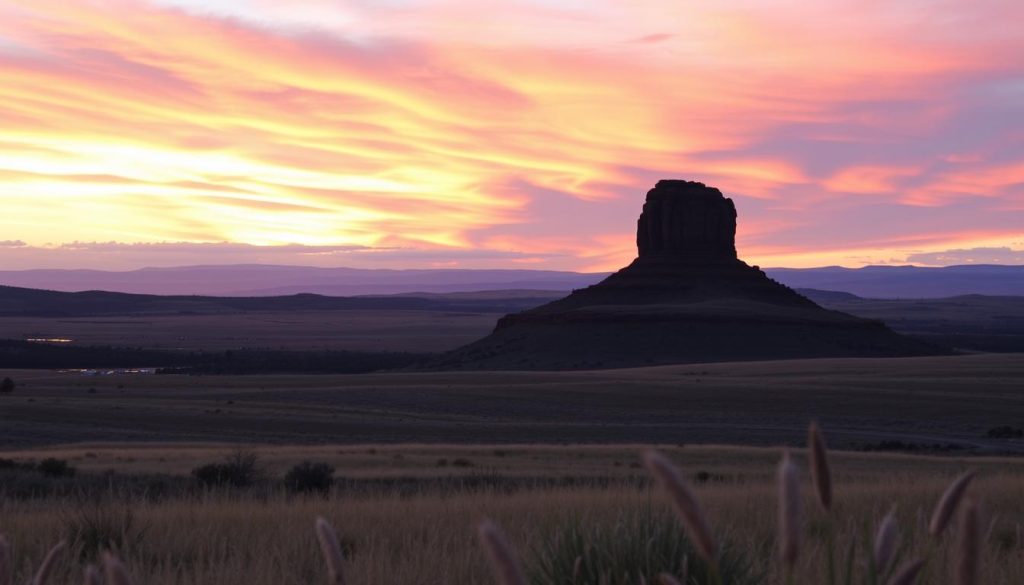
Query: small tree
{"type": "Point", "coordinates": [7, 386]}
{"type": "Point", "coordinates": [240, 469]}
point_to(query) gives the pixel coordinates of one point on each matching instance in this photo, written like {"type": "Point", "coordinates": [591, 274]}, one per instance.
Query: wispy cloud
{"type": "Point", "coordinates": [127, 256]}
{"type": "Point", "coordinates": [1004, 255]}
{"type": "Point", "coordinates": [848, 133]}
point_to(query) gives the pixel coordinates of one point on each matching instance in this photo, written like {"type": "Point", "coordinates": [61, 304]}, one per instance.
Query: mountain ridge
{"type": "Point", "coordinates": [903, 281]}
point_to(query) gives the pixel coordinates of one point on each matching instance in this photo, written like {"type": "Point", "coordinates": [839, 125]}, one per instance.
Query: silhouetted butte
{"type": "Point", "coordinates": [686, 298]}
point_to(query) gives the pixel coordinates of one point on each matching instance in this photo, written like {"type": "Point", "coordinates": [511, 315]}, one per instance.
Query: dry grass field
{"type": "Point", "coordinates": [921, 401]}
{"type": "Point", "coordinates": [427, 537]}
{"type": "Point", "coordinates": [554, 458]}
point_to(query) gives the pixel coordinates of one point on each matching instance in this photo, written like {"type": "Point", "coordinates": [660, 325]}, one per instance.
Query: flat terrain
{"type": "Point", "coordinates": [431, 323]}
{"type": "Point", "coordinates": [924, 401]}
{"type": "Point", "coordinates": [985, 323]}
{"type": "Point", "coordinates": [586, 464]}
{"type": "Point", "coordinates": [355, 330]}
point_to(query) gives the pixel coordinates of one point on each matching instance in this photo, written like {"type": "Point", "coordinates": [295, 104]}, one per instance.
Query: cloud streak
{"type": "Point", "coordinates": [849, 135]}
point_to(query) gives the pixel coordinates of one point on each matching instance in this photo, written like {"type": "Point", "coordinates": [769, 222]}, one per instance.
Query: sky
{"type": "Point", "coordinates": [505, 134]}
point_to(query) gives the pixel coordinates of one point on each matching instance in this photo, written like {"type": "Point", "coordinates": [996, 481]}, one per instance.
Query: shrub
{"type": "Point", "coordinates": [94, 529]}
{"type": "Point", "coordinates": [55, 468]}
{"type": "Point", "coordinates": [7, 386]}
{"type": "Point", "coordinates": [12, 464]}
{"type": "Point", "coordinates": [462, 463]}
{"type": "Point", "coordinates": [635, 549]}
{"type": "Point", "coordinates": [1005, 432]}
{"type": "Point", "coordinates": [309, 477]}
{"type": "Point", "coordinates": [240, 469]}
{"type": "Point", "coordinates": [706, 476]}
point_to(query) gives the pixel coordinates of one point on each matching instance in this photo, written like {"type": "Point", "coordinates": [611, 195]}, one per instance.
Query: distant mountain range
{"type": "Point", "coordinates": [267, 280]}
{"type": "Point", "coordinates": [908, 282]}
{"type": "Point", "coordinates": [26, 302]}
{"type": "Point", "coordinates": [972, 322]}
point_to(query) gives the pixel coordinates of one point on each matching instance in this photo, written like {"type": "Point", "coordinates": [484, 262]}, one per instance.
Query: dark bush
{"type": "Point", "coordinates": [1005, 432]}
{"type": "Point", "coordinates": [706, 476]}
{"type": "Point", "coordinates": [894, 445]}
{"type": "Point", "coordinates": [462, 463]}
{"type": "Point", "coordinates": [7, 386]}
{"type": "Point", "coordinates": [12, 464]}
{"type": "Point", "coordinates": [240, 469]}
{"type": "Point", "coordinates": [309, 477]}
{"type": "Point", "coordinates": [55, 468]}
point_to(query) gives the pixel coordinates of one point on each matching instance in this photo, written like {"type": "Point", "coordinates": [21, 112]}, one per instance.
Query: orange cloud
{"type": "Point", "coordinates": [869, 179]}
{"type": "Point", "coordinates": [348, 124]}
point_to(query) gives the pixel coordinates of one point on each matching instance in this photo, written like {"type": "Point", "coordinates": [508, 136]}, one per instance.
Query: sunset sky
{"type": "Point", "coordinates": [505, 134]}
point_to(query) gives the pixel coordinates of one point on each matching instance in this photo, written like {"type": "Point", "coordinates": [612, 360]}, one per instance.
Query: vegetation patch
{"type": "Point", "coordinates": [238, 470]}
{"type": "Point", "coordinates": [636, 548]}
{"type": "Point", "coordinates": [308, 477]}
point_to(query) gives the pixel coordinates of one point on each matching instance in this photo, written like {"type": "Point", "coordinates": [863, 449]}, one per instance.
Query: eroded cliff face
{"type": "Point", "coordinates": [688, 221]}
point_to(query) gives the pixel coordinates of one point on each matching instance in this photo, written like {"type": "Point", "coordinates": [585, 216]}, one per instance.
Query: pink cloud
{"type": "Point", "coordinates": [531, 131]}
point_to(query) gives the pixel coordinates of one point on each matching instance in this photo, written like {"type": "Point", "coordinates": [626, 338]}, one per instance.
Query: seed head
{"type": "Point", "coordinates": [885, 541]}
{"type": "Point", "coordinates": [689, 510]}
{"type": "Point", "coordinates": [820, 473]}
{"type": "Point", "coordinates": [43, 575]}
{"type": "Point", "coordinates": [503, 559]}
{"type": "Point", "coordinates": [331, 551]}
{"type": "Point", "coordinates": [789, 511]}
{"type": "Point", "coordinates": [949, 502]}
{"type": "Point", "coordinates": [907, 573]}
{"type": "Point", "coordinates": [115, 572]}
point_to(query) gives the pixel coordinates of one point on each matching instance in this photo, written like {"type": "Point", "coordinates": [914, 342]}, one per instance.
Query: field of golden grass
{"type": "Point", "coordinates": [428, 537]}
{"type": "Point", "coordinates": [422, 458]}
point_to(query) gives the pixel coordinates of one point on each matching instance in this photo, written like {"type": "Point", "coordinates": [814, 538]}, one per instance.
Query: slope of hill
{"type": "Point", "coordinates": [32, 302]}
{"type": "Point", "coordinates": [969, 322]}
{"type": "Point", "coordinates": [908, 282]}
{"type": "Point", "coordinates": [266, 280]}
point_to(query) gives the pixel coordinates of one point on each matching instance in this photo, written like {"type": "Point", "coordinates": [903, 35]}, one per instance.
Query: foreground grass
{"type": "Point", "coordinates": [428, 536]}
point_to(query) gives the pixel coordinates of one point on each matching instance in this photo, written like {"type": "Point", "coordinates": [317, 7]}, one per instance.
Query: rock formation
{"type": "Point", "coordinates": [688, 221]}
{"type": "Point", "coordinates": [687, 297]}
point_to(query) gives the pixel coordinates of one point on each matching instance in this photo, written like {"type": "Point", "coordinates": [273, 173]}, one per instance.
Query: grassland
{"type": "Point", "coordinates": [427, 537]}
{"type": "Point", "coordinates": [925, 401]}
{"type": "Point", "coordinates": [422, 457]}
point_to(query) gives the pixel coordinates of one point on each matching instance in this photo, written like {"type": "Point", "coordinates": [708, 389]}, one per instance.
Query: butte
{"type": "Point", "coordinates": [686, 298]}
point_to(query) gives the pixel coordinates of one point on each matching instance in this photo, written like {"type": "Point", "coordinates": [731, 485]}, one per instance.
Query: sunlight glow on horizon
{"type": "Point", "coordinates": [420, 133]}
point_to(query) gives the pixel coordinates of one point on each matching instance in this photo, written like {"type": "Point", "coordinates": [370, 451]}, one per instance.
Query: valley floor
{"type": "Point", "coordinates": [934, 403]}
